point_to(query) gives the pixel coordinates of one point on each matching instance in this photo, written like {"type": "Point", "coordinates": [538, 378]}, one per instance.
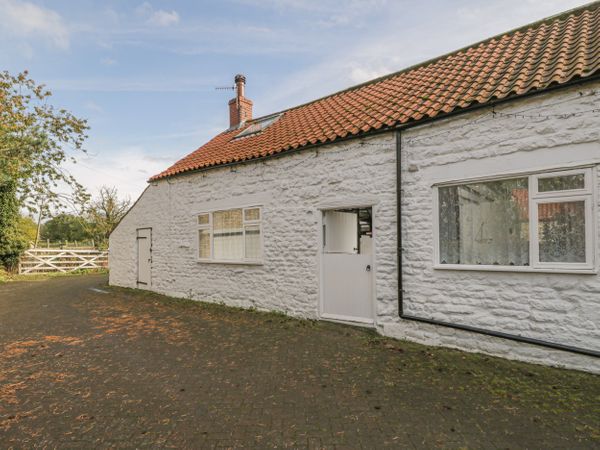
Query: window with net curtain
{"type": "Point", "coordinates": [488, 223]}
{"type": "Point", "coordinates": [561, 223]}
{"type": "Point", "coordinates": [485, 223]}
{"type": "Point", "coordinates": [230, 235]}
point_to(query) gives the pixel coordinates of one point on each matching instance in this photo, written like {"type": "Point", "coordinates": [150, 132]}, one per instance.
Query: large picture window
{"type": "Point", "coordinates": [232, 235]}
{"type": "Point", "coordinates": [537, 221]}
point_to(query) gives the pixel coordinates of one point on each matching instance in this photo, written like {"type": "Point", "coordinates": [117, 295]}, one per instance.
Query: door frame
{"type": "Point", "coordinates": [371, 323]}
{"type": "Point", "coordinates": [137, 251]}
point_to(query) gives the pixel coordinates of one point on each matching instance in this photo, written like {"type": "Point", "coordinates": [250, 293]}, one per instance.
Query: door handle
{"type": "Point", "coordinates": [368, 267]}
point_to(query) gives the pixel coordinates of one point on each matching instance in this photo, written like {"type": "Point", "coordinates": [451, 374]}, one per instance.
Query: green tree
{"type": "Point", "coordinates": [104, 213]}
{"type": "Point", "coordinates": [28, 229]}
{"type": "Point", "coordinates": [65, 227]}
{"type": "Point", "coordinates": [36, 139]}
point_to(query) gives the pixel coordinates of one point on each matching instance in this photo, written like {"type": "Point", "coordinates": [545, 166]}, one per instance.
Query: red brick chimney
{"type": "Point", "coordinates": [240, 108]}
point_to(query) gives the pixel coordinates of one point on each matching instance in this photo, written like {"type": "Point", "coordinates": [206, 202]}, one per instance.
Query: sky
{"type": "Point", "coordinates": [144, 73]}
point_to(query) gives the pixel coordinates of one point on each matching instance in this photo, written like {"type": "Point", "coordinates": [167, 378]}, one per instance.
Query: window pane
{"type": "Point", "coordinates": [204, 244]}
{"type": "Point", "coordinates": [563, 183]}
{"type": "Point", "coordinates": [253, 242]}
{"type": "Point", "coordinates": [203, 219]}
{"type": "Point", "coordinates": [228, 235]}
{"type": "Point", "coordinates": [341, 231]}
{"type": "Point", "coordinates": [485, 223]}
{"type": "Point", "coordinates": [561, 230]}
{"type": "Point", "coordinates": [252, 214]}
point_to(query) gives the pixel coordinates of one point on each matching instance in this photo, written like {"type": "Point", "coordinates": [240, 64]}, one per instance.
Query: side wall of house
{"type": "Point", "coordinates": [291, 190]}
{"type": "Point", "coordinates": [562, 308]}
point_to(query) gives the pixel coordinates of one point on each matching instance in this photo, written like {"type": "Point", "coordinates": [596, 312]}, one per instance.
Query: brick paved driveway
{"type": "Point", "coordinates": [82, 368]}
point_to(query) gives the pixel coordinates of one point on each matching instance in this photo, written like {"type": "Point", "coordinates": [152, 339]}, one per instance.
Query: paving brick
{"type": "Point", "coordinates": [126, 356]}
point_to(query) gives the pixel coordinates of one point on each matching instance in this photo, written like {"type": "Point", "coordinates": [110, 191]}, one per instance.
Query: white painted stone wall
{"type": "Point", "coordinates": [290, 190]}
{"type": "Point", "coordinates": [563, 308]}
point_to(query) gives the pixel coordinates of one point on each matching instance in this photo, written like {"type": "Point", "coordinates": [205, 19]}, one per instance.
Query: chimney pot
{"type": "Point", "coordinates": [240, 83]}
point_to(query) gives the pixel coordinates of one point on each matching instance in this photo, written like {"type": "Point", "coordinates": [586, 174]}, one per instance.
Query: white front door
{"type": "Point", "coordinates": [347, 292]}
{"type": "Point", "coordinates": [144, 256]}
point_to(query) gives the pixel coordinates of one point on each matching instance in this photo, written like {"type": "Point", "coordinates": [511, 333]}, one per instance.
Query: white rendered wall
{"type": "Point", "coordinates": [291, 189]}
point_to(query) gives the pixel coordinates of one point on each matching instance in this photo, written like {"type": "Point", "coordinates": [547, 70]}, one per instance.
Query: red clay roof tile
{"type": "Point", "coordinates": [534, 57]}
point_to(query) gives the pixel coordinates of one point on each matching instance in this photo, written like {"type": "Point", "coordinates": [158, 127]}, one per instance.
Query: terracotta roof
{"type": "Point", "coordinates": [549, 52]}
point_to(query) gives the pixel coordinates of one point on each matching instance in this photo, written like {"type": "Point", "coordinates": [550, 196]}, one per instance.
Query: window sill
{"type": "Point", "coordinates": [227, 262]}
{"type": "Point", "coordinates": [514, 269]}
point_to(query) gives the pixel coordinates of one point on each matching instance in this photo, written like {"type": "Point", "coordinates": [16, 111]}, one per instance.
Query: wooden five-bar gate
{"type": "Point", "coordinates": [44, 260]}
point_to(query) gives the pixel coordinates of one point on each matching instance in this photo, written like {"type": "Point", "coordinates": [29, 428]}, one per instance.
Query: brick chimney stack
{"type": "Point", "coordinates": [240, 108]}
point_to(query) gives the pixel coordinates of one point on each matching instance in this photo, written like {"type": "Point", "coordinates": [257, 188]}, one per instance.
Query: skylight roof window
{"type": "Point", "coordinates": [259, 125]}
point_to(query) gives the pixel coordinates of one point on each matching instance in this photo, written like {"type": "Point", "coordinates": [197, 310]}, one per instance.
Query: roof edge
{"type": "Point", "coordinates": [595, 77]}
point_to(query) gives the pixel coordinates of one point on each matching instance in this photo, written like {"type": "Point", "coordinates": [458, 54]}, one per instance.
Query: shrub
{"type": "Point", "coordinates": [12, 242]}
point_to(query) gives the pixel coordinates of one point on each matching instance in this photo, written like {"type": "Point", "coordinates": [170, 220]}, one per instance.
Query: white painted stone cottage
{"type": "Point", "coordinates": [453, 203]}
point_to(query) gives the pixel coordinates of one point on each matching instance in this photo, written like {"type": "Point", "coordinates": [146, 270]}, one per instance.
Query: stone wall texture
{"type": "Point", "coordinates": [563, 308]}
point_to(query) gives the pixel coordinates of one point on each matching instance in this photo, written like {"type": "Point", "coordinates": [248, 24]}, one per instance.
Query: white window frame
{"type": "Point", "coordinates": [587, 194]}
{"type": "Point", "coordinates": [245, 223]}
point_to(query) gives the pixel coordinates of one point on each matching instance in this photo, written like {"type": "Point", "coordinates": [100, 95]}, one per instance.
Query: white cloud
{"type": "Point", "coordinates": [145, 9]}
{"type": "Point", "coordinates": [160, 17]}
{"type": "Point", "coordinates": [108, 61]}
{"type": "Point", "coordinates": [360, 74]}
{"type": "Point", "coordinates": [128, 165]}
{"type": "Point", "coordinates": [112, 16]}
{"type": "Point", "coordinates": [26, 20]}
{"type": "Point", "coordinates": [164, 18]}
{"type": "Point", "coordinates": [93, 106]}
{"type": "Point", "coordinates": [388, 47]}
{"type": "Point", "coordinates": [127, 169]}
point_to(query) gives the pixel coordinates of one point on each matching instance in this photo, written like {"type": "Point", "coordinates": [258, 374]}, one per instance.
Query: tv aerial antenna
{"type": "Point", "coordinates": [225, 88]}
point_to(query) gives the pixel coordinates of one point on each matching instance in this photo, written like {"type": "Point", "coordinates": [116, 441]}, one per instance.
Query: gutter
{"type": "Point", "coordinates": [403, 315]}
